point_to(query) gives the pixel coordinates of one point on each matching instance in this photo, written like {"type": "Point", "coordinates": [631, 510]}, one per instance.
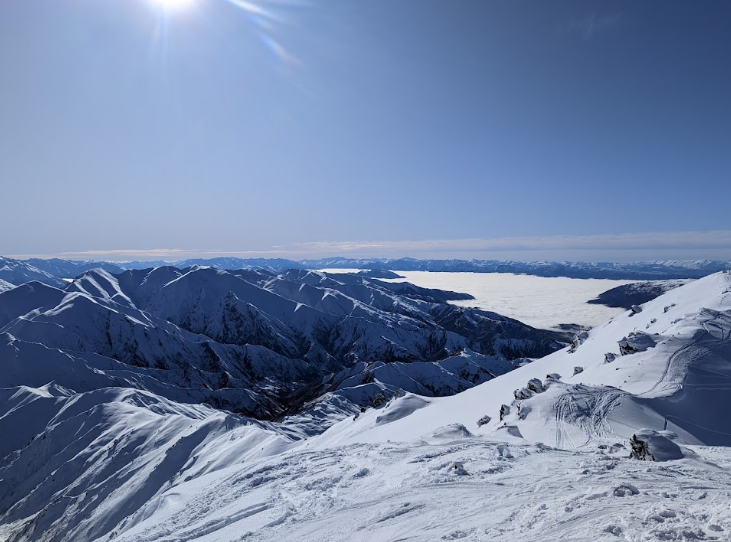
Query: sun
{"type": "Point", "coordinates": [173, 5]}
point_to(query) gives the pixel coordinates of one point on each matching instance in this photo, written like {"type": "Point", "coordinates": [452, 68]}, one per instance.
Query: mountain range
{"type": "Point", "coordinates": [53, 271]}
{"type": "Point", "coordinates": [111, 431]}
{"type": "Point", "coordinates": [252, 341]}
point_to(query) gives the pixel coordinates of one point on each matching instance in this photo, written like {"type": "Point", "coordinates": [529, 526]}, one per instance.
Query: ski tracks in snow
{"type": "Point", "coordinates": [586, 408]}
{"type": "Point", "coordinates": [716, 333]}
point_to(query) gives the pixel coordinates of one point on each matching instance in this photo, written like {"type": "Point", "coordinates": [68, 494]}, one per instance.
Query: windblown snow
{"type": "Point", "coordinates": [539, 453]}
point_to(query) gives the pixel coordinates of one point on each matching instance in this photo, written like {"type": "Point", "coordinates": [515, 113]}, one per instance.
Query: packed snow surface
{"type": "Point", "coordinates": [553, 462]}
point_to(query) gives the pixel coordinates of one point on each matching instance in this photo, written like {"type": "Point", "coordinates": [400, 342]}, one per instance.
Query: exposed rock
{"type": "Point", "coordinates": [483, 421]}
{"type": "Point", "coordinates": [578, 339]}
{"type": "Point", "coordinates": [649, 445]}
{"type": "Point", "coordinates": [522, 393]}
{"type": "Point", "coordinates": [536, 386]}
{"type": "Point", "coordinates": [636, 342]}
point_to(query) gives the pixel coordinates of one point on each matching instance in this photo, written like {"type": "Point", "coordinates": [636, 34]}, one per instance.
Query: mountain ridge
{"type": "Point", "coordinates": [252, 341]}
{"type": "Point", "coordinates": [54, 271]}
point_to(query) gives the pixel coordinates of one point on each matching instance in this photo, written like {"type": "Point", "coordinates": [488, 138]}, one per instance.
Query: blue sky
{"type": "Point", "coordinates": [472, 128]}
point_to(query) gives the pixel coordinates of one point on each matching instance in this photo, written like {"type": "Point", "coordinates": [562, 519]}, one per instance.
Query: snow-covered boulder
{"type": "Point", "coordinates": [649, 445]}
{"type": "Point", "coordinates": [577, 341]}
{"type": "Point", "coordinates": [522, 393]}
{"type": "Point", "coordinates": [636, 342]}
{"type": "Point", "coordinates": [400, 408]}
{"type": "Point", "coordinates": [536, 386]}
{"type": "Point", "coordinates": [453, 431]}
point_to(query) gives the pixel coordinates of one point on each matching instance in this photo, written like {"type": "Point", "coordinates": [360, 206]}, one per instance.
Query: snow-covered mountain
{"type": "Point", "coordinates": [69, 269]}
{"type": "Point", "coordinates": [252, 341]}
{"type": "Point", "coordinates": [665, 365]}
{"type": "Point", "coordinates": [19, 271]}
{"type": "Point", "coordinates": [538, 453]}
{"type": "Point", "coordinates": [51, 270]}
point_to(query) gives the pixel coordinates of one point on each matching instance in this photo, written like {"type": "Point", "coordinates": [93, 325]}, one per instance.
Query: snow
{"type": "Point", "coordinates": [129, 465]}
{"type": "Point", "coordinates": [251, 341]}
{"type": "Point", "coordinates": [455, 488]}
{"type": "Point", "coordinates": [682, 378]}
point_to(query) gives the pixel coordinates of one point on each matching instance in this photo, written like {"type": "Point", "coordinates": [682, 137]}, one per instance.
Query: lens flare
{"type": "Point", "coordinates": [264, 19]}
{"type": "Point", "coordinates": [173, 5]}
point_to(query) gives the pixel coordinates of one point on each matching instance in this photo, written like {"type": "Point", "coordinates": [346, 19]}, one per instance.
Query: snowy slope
{"type": "Point", "coordinates": [129, 465]}
{"type": "Point", "coordinates": [4, 286]}
{"type": "Point", "coordinates": [125, 465]}
{"type": "Point", "coordinates": [681, 372]}
{"type": "Point", "coordinates": [83, 462]}
{"type": "Point", "coordinates": [448, 486]}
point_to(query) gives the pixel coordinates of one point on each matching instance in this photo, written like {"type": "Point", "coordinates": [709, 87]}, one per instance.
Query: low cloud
{"type": "Point", "coordinates": [619, 247]}
{"type": "Point", "coordinates": [687, 245]}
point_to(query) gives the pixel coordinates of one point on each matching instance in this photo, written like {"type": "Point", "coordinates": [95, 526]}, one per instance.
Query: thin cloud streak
{"type": "Point", "coordinates": [592, 24]}
{"type": "Point", "coordinates": [608, 247]}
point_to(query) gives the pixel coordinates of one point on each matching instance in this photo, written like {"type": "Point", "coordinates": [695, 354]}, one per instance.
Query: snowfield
{"type": "Point", "coordinates": [448, 486]}
{"type": "Point", "coordinates": [539, 453]}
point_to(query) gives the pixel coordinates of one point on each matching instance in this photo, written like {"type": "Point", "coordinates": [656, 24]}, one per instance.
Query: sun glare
{"type": "Point", "coordinates": [173, 4]}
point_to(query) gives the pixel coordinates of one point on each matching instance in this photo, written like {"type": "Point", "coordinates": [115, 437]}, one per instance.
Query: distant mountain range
{"type": "Point", "coordinates": [252, 341]}
{"type": "Point", "coordinates": [53, 271]}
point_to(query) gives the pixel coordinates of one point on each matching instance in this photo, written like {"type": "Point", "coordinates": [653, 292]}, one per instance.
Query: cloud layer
{"type": "Point", "coordinates": [607, 247]}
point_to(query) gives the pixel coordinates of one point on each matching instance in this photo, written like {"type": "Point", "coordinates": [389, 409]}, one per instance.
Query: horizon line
{"type": "Point", "coordinates": [624, 248]}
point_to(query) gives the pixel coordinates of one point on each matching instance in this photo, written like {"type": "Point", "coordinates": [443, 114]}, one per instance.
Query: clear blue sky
{"type": "Point", "coordinates": [273, 127]}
